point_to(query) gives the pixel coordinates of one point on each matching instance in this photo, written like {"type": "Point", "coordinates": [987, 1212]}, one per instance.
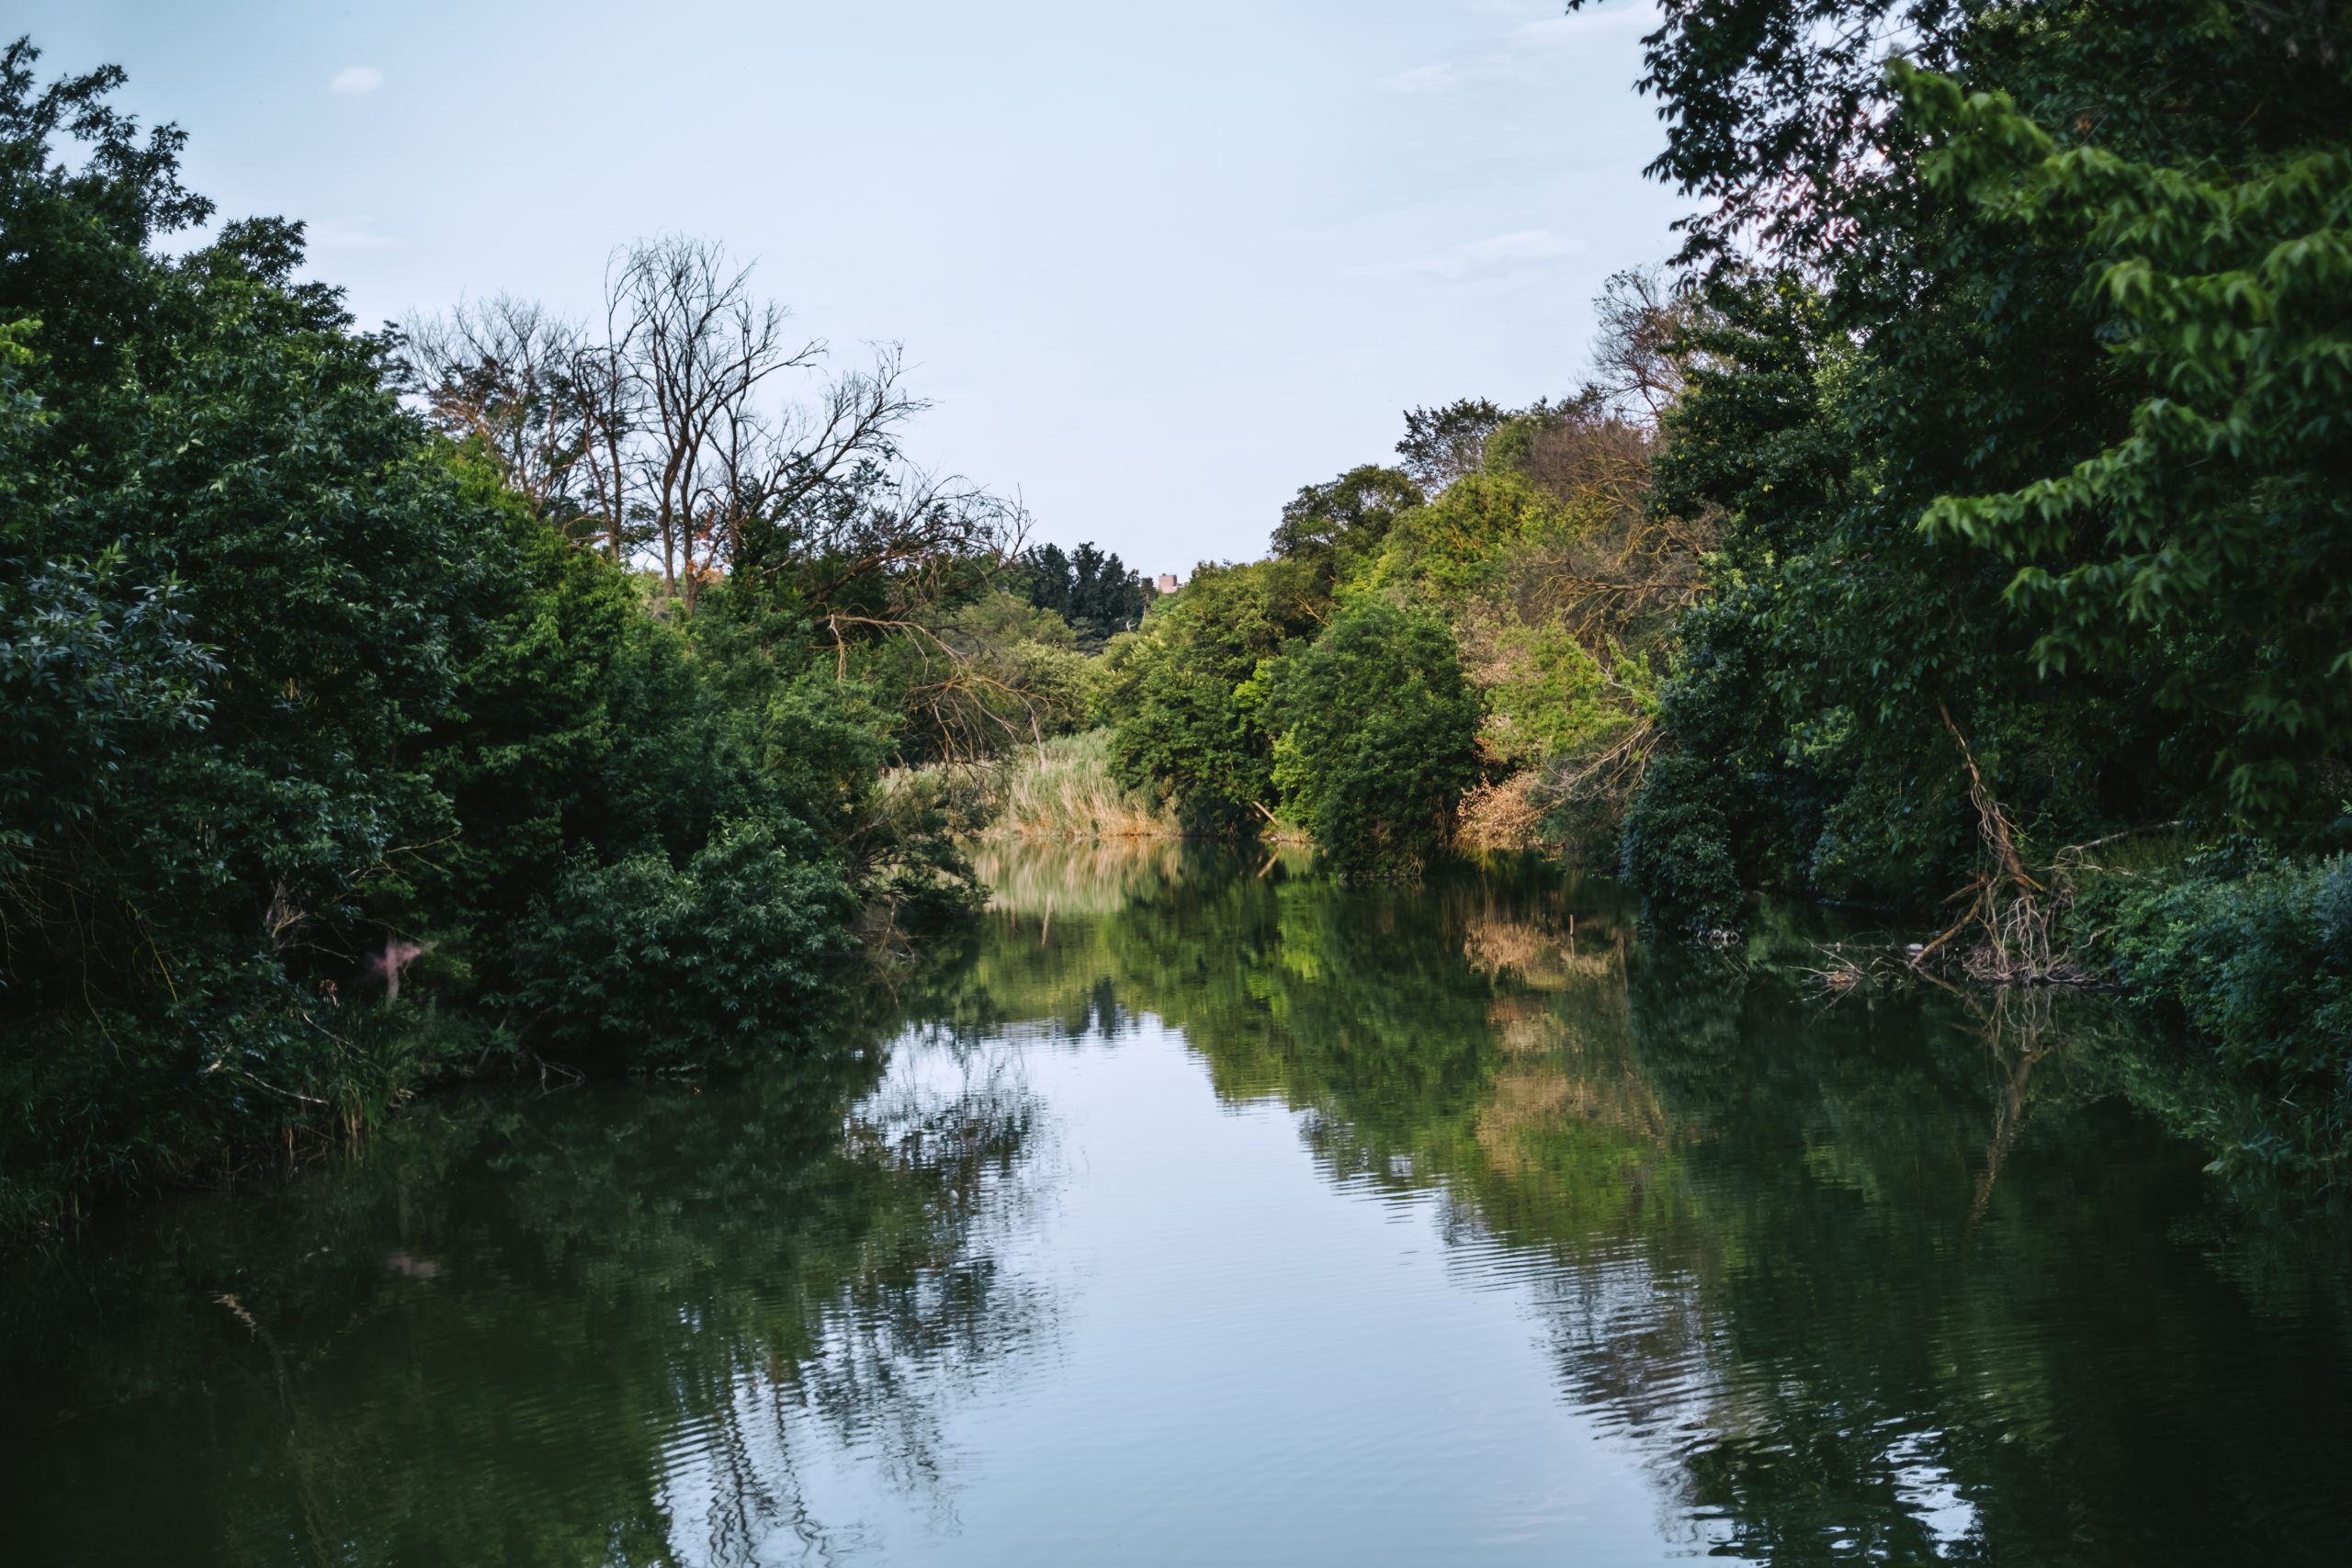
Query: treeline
{"type": "Point", "coordinates": [1460, 652]}
{"type": "Point", "coordinates": [1967, 517]}
{"type": "Point", "coordinates": [487, 691]}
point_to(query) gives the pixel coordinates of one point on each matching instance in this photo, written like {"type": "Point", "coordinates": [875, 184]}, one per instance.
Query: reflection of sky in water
{"type": "Point", "coordinates": [815, 1460]}
{"type": "Point", "coordinates": [1201, 1346]}
{"type": "Point", "coordinates": [1243, 1361]}
{"type": "Point", "coordinates": [1927, 1489]}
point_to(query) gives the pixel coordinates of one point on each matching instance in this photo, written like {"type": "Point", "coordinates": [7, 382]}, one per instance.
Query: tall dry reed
{"type": "Point", "coordinates": [1062, 789]}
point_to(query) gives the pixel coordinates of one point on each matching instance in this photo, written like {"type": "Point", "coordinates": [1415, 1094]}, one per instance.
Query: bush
{"type": "Point", "coordinates": [673, 967]}
{"type": "Point", "coordinates": [1183, 692]}
{"type": "Point", "coordinates": [1377, 736]}
{"type": "Point", "coordinates": [1677, 849]}
{"type": "Point", "coordinates": [2255, 952]}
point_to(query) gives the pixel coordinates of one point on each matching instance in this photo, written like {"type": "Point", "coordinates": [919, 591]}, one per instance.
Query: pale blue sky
{"type": "Point", "coordinates": [1159, 265]}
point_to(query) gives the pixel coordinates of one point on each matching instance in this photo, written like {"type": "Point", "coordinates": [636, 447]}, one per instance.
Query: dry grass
{"type": "Point", "coordinates": [1060, 790]}
{"type": "Point", "coordinates": [1063, 789]}
{"type": "Point", "coordinates": [1539, 954]}
{"type": "Point", "coordinates": [1499, 815]}
{"type": "Point", "coordinates": [1094, 878]}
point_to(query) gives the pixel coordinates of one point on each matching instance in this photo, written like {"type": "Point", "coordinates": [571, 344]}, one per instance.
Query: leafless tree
{"type": "Point", "coordinates": [1636, 368]}
{"type": "Point", "coordinates": [669, 428]}
{"type": "Point", "coordinates": [785, 486]}
{"type": "Point", "coordinates": [708, 456]}
{"type": "Point", "coordinates": [703, 347]}
{"type": "Point", "coordinates": [501, 370]}
{"type": "Point", "coordinates": [611, 392]}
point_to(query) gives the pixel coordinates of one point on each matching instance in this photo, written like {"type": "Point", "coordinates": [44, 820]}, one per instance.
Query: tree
{"type": "Point", "coordinates": [1339, 527]}
{"type": "Point", "coordinates": [227, 612]}
{"type": "Point", "coordinates": [1376, 735]}
{"type": "Point", "coordinates": [75, 258]}
{"type": "Point", "coordinates": [1096, 593]}
{"type": "Point", "coordinates": [298, 694]}
{"type": "Point", "coordinates": [1638, 346]}
{"type": "Point", "coordinates": [1870, 339]}
{"type": "Point", "coordinates": [2230, 503]}
{"type": "Point", "coordinates": [1441, 445]}
{"type": "Point", "coordinates": [664, 429]}
{"type": "Point", "coordinates": [504, 373]}
{"type": "Point", "coordinates": [1184, 695]}
{"type": "Point", "coordinates": [702, 348]}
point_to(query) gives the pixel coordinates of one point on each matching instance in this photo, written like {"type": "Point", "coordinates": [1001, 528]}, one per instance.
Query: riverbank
{"type": "Point", "coordinates": [2251, 950]}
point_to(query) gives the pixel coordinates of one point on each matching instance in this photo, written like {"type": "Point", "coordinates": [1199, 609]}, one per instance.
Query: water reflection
{"type": "Point", "coordinates": [600, 1327]}
{"type": "Point", "coordinates": [1897, 1279]}
{"type": "Point", "coordinates": [1900, 1278]}
{"type": "Point", "coordinates": [931, 1312]}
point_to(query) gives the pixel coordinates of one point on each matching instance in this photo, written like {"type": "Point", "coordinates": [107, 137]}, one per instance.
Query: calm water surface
{"type": "Point", "coordinates": [1195, 1212]}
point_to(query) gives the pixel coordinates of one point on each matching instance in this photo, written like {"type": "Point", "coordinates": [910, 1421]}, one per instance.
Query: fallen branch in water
{"type": "Point", "coordinates": [2007, 916]}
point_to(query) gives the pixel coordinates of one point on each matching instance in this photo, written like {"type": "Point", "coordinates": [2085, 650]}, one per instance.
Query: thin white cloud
{"type": "Point", "coordinates": [1555, 33]}
{"type": "Point", "coordinates": [1423, 79]}
{"type": "Point", "coordinates": [1522, 47]}
{"type": "Point", "coordinates": [1522, 250]}
{"type": "Point", "coordinates": [345, 234]}
{"type": "Point", "coordinates": [358, 79]}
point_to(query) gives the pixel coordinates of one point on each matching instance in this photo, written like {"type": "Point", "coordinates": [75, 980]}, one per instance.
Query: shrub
{"type": "Point", "coordinates": [1677, 849]}
{"type": "Point", "coordinates": [2255, 951]}
{"type": "Point", "coordinates": [1184, 696]}
{"type": "Point", "coordinates": [675, 966]}
{"type": "Point", "coordinates": [1377, 736]}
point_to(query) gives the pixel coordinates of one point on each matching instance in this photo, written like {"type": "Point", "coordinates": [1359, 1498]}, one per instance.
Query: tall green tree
{"type": "Point", "coordinates": [2228, 507]}
{"type": "Point", "coordinates": [1376, 737]}
{"type": "Point", "coordinates": [301, 701]}
{"type": "Point", "coordinates": [1878, 340]}
{"type": "Point", "coordinates": [1185, 695]}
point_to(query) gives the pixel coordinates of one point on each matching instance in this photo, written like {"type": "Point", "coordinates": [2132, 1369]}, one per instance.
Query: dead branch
{"type": "Point", "coordinates": [2007, 913]}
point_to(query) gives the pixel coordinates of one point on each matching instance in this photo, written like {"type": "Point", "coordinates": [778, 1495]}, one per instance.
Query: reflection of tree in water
{"type": "Point", "coordinates": [929, 1314]}
{"type": "Point", "coordinates": [1880, 1281]}
{"type": "Point", "coordinates": [2016, 1026]}
{"type": "Point", "coordinates": [1889, 1280]}
{"type": "Point", "coordinates": [509, 1333]}
{"type": "Point", "coordinates": [1946, 1318]}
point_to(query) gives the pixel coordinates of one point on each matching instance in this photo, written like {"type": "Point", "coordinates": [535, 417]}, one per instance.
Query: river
{"type": "Point", "coordinates": [1191, 1210]}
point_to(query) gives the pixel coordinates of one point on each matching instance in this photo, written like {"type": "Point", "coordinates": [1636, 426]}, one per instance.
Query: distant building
{"type": "Point", "coordinates": [1167, 583]}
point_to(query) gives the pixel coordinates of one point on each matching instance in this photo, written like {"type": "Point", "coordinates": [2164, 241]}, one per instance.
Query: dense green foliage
{"type": "Point", "coordinates": [1095, 593]}
{"type": "Point", "coordinates": [1186, 695]}
{"type": "Point", "coordinates": [1458, 660]}
{"type": "Point", "coordinates": [331, 759]}
{"type": "Point", "coordinates": [2228, 509]}
{"type": "Point", "coordinates": [1984, 493]}
{"type": "Point", "coordinates": [1377, 734]}
{"type": "Point", "coordinates": [1980, 496]}
{"type": "Point", "coordinates": [2017, 377]}
{"type": "Point", "coordinates": [2254, 951]}
{"type": "Point", "coordinates": [2125, 343]}
{"type": "Point", "coordinates": [685, 965]}
{"type": "Point", "coordinates": [1339, 528]}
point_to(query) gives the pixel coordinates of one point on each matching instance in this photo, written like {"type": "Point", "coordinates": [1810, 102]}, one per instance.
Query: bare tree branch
{"type": "Point", "coordinates": [501, 370]}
